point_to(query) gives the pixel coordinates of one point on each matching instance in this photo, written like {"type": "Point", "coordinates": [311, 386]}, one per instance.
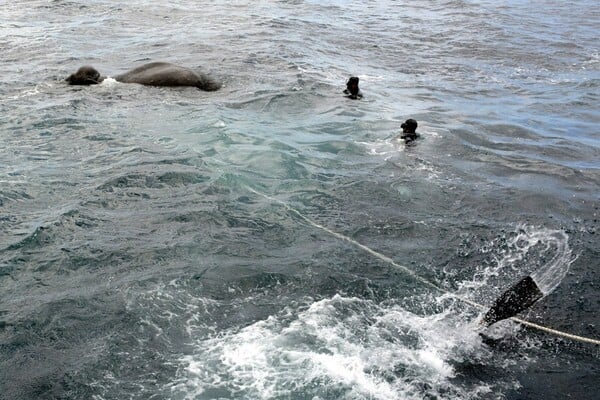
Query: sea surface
{"type": "Point", "coordinates": [275, 239]}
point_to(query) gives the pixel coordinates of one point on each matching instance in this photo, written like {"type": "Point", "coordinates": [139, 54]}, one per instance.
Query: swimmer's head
{"type": "Point", "coordinates": [352, 85]}
{"type": "Point", "coordinates": [409, 126]}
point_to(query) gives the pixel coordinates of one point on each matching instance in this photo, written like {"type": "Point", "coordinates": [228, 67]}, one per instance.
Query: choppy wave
{"type": "Point", "coordinates": [134, 262]}
{"type": "Point", "coordinates": [339, 347]}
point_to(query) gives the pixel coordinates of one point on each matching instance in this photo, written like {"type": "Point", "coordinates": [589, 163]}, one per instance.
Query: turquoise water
{"type": "Point", "coordinates": [139, 258]}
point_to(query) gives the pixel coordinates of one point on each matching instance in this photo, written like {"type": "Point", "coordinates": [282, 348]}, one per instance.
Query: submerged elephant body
{"type": "Point", "coordinates": [151, 74]}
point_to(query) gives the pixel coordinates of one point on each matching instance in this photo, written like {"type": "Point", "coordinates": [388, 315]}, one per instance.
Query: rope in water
{"type": "Point", "coordinates": [417, 277]}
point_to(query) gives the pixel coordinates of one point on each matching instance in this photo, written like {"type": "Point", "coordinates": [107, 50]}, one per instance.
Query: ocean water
{"type": "Point", "coordinates": [274, 239]}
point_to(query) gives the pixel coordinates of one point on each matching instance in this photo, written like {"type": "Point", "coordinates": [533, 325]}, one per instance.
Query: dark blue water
{"type": "Point", "coordinates": [251, 243]}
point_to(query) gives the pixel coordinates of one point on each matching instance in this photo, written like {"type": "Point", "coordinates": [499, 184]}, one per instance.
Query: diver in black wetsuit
{"type": "Point", "coordinates": [352, 89]}
{"type": "Point", "coordinates": [409, 128]}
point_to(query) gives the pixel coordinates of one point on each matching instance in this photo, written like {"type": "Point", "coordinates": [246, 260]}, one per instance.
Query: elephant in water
{"type": "Point", "coordinates": [152, 74]}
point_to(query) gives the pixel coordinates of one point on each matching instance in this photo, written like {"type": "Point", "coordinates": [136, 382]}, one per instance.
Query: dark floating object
{"type": "Point", "coordinates": [151, 74]}
{"type": "Point", "coordinates": [352, 89]}
{"type": "Point", "coordinates": [516, 299]}
{"type": "Point", "coordinates": [409, 130]}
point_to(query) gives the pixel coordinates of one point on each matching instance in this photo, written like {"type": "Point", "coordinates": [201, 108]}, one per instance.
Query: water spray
{"type": "Point", "coordinates": [517, 298]}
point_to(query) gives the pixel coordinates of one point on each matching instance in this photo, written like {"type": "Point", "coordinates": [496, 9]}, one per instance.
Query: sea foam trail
{"type": "Point", "coordinates": [340, 347]}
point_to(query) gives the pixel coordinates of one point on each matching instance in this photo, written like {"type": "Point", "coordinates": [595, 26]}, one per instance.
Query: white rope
{"type": "Point", "coordinates": [417, 277]}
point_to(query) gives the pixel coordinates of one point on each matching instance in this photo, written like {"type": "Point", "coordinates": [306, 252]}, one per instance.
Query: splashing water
{"type": "Point", "coordinates": [528, 253]}
{"type": "Point", "coordinates": [549, 275]}
{"type": "Point", "coordinates": [544, 254]}
{"type": "Point", "coordinates": [339, 347]}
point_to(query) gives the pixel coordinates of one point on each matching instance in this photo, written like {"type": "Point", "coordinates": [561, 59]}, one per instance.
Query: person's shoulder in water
{"type": "Point", "coordinates": [352, 89]}
{"type": "Point", "coordinates": [409, 131]}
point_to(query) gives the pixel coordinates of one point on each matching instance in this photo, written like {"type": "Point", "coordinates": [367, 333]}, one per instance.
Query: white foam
{"type": "Point", "coordinates": [36, 90]}
{"type": "Point", "coordinates": [109, 82]}
{"type": "Point", "coordinates": [384, 147]}
{"type": "Point", "coordinates": [371, 78]}
{"type": "Point", "coordinates": [339, 347]}
{"type": "Point", "coordinates": [393, 147]}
